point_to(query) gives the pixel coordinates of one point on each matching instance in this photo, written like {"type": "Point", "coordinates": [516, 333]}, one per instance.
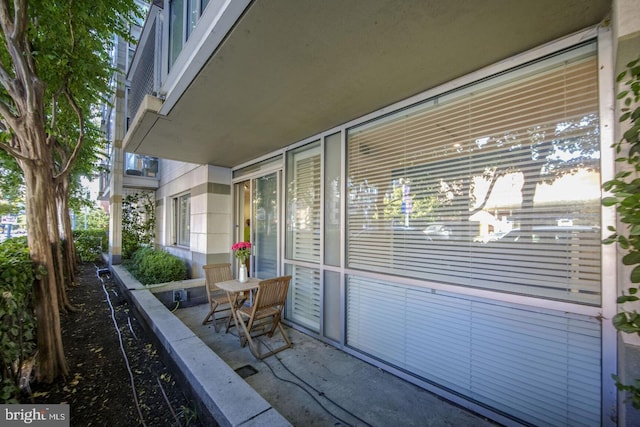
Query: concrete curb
{"type": "Point", "coordinates": [225, 395]}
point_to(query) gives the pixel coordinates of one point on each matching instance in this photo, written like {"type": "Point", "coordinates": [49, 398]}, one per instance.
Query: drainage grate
{"type": "Point", "coordinates": [246, 371]}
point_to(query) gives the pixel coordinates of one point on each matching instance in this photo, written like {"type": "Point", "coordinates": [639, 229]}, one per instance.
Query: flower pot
{"type": "Point", "coordinates": [242, 273]}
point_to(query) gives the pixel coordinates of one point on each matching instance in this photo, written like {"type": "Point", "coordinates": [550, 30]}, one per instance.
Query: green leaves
{"type": "Point", "coordinates": [626, 200]}
{"type": "Point", "coordinates": [151, 266]}
{"type": "Point", "coordinates": [17, 320]}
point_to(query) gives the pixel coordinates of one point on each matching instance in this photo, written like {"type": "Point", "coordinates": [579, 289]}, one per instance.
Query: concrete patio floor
{"type": "Point", "coordinates": [315, 384]}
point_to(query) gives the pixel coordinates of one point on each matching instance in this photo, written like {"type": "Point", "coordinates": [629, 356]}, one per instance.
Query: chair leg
{"type": "Point", "coordinates": [238, 302]}
{"type": "Point", "coordinates": [243, 332]}
{"type": "Point", "coordinates": [211, 317]}
{"type": "Point", "coordinates": [228, 323]}
{"type": "Point", "coordinates": [254, 347]}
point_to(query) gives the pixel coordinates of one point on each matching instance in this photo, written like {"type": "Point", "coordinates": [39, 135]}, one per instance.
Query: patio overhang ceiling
{"type": "Point", "coordinates": [289, 69]}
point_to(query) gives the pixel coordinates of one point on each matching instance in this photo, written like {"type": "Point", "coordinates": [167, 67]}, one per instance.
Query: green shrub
{"type": "Point", "coordinates": [17, 319]}
{"type": "Point", "coordinates": [90, 244]}
{"type": "Point", "coordinates": [150, 266]}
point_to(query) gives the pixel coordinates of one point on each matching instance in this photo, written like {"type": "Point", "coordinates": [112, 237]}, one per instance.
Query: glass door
{"type": "Point", "coordinates": [264, 225]}
{"type": "Point", "coordinates": [257, 210]}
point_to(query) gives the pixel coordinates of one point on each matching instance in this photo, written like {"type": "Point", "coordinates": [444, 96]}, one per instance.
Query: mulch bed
{"type": "Point", "coordinates": [100, 386]}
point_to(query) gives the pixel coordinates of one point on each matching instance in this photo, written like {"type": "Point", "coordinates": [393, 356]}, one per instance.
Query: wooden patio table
{"type": "Point", "coordinates": [234, 289]}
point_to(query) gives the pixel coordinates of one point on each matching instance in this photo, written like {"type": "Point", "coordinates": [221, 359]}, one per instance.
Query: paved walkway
{"type": "Point", "coordinates": [315, 384]}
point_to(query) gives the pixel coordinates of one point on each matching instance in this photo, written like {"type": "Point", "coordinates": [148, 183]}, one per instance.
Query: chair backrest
{"type": "Point", "coordinates": [215, 273]}
{"type": "Point", "coordinates": [272, 292]}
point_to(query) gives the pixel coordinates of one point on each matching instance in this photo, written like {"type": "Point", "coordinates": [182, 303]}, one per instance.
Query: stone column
{"type": "Point", "coordinates": [117, 158]}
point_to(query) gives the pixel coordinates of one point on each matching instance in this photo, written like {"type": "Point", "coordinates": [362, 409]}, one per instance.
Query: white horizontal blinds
{"type": "Point", "coordinates": [432, 188]}
{"type": "Point", "coordinates": [303, 301]}
{"type": "Point", "coordinates": [304, 204]}
{"type": "Point", "coordinates": [540, 366]}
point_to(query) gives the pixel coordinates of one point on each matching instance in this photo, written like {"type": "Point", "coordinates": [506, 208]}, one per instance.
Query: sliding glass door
{"type": "Point", "coordinates": [264, 225]}
{"type": "Point", "coordinates": [257, 209]}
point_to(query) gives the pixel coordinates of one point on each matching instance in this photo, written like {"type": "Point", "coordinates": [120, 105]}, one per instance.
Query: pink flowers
{"type": "Point", "coordinates": [242, 250]}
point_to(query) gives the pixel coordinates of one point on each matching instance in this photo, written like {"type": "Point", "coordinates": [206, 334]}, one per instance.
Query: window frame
{"type": "Point", "coordinates": [190, 9]}
{"type": "Point", "coordinates": [181, 237]}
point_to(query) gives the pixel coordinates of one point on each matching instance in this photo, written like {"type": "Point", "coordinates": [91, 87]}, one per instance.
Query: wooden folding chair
{"type": "Point", "coordinates": [263, 317]}
{"type": "Point", "coordinates": [215, 273]}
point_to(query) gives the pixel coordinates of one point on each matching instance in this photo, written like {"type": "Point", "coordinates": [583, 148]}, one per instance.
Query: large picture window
{"type": "Point", "coordinates": [495, 186]}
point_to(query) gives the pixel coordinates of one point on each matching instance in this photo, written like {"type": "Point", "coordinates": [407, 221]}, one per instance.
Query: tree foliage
{"type": "Point", "coordinates": [54, 68]}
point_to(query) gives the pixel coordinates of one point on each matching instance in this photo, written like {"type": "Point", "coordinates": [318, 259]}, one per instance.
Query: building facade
{"type": "Point", "coordinates": [430, 174]}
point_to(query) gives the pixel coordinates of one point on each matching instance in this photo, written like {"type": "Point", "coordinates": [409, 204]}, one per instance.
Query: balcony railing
{"type": "Point", "coordinates": [145, 72]}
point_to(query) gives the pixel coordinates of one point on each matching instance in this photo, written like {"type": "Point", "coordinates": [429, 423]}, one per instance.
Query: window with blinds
{"type": "Point", "coordinates": [303, 301]}
{"type": "Point", "coordinates": [303, 203]}
{"type": "Point", "coordinates": [539, 365]}
{"type": "Point", "coordinates": [495, 185]}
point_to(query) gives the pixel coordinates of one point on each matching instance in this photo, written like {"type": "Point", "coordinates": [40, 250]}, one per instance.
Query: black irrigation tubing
{"type": "Point", "coordinates": [124, 354]}
{"type": "Point", "coordinates": [166, 399]}
{"type": "Point", "coordinates": [312, 388]}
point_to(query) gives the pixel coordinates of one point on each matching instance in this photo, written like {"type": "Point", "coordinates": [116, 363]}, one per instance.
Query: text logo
{"type": "Point", "coordinates": [37, 415]}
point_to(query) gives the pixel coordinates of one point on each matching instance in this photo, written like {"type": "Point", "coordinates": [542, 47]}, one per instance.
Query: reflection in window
{"type": "Point", "coordinates": [433, 189]}
{"type": "Point", "coordinates": [183, 17]}
{"type": "Point", "coordinates": [176, 29]}
{"type": "Point", "coordinates": [141, 165]}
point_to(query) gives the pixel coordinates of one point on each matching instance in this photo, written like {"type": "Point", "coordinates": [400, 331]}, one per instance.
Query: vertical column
{"type": "Point", "coordinates": [117, 157]}
{"type": "Point", "coordinates": [211, 211]}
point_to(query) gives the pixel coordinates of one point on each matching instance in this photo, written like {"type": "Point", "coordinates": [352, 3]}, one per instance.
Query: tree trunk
{"type": "Point", "coordinates": [68, 246]}
{"type": "Point", "coordinates": [51, 360]}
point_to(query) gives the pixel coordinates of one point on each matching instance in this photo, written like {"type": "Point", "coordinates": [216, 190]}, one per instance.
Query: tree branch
{"type": "Point", "coordinates": [6, 23]}
{"type": "Point", "coordinates": [13, 152]}
{"type": "Point", "coordinates": [494, 178]}
{"type": "Point", "coordinates": [27, 86]}
{"type": "Point", "coordinates": [19, 19]}
{"type": "Point", "coordinates": [7, 115]}
{"type": "Point", "coordinates": [54, 107]}
{"type": "Point", "coordinates": [80, 139]}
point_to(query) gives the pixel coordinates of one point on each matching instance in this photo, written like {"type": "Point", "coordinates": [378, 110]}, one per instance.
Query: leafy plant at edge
{"type": "Point", "coordinates": [625, 190]}
{"type": "Point", "coordinates": [17, 318]}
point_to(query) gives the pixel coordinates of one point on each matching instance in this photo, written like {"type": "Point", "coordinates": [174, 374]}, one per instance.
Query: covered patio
{"type": "Point", "coordinates": [311, 384]}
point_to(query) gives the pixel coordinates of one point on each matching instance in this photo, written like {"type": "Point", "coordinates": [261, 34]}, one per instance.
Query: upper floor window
{"type": "Point", "coordinates": [141, 165]}
{"type": "Point", "coordinates": [183, 17]}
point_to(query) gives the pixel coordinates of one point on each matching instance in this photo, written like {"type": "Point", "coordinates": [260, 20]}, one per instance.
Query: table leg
{"type": "Point", "coordinates": [233, 301]}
